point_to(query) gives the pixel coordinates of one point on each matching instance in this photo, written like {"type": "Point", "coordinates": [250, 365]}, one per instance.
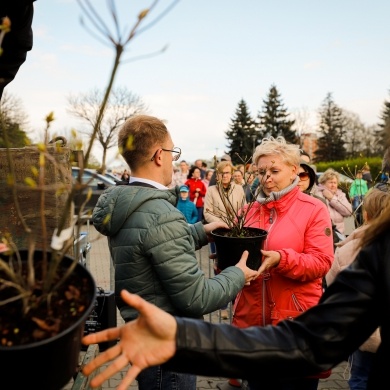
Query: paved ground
{"type": "Point", "coordinates": [99, 263]}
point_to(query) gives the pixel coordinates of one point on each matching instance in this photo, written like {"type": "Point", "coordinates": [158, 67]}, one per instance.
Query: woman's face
{"type": "Point", "coordinates": [238, 177]}
{"type": "Point", "coordinates": [225, 176]}
{"type": "Point", "coordinates": [196, 173]}
{"type": "Point", "coordinates": [304, 179]}
{"type": "Point", "coordinates": [331, 184]}
{"type": "Point", "coordinates": [274, 174]}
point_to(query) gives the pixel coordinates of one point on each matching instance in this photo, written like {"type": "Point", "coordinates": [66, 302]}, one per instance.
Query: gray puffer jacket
{"type": "Point", "coordinates": [153, 250]}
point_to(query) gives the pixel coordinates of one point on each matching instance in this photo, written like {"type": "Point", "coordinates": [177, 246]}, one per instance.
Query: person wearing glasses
{"type": "Point", "coordinates": [350, 310]}
{"type": "Point", "coordinates": [215, 206]}
{"type": "Point", "coordinates": [308, 180]}
{"type": "Point", "coordinates": [152, 245]}
{"type": "Point", "coordinates": [297, 254]}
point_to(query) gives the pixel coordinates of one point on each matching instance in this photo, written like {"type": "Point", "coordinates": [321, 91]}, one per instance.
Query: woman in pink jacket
{"type": "Point", "coordinates": [298, 251]}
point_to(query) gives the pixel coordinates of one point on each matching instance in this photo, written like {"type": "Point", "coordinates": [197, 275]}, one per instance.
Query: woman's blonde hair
{"type": "Point", "coordinates": [329, 174]}
{"type": "Point", "coordinates": [223, 164]}
{"type": "Point", "coordinates": [375, 202]}
{"type": "Point", "coordinates": [270, 146]}
{"type": "Point", "coordinates": [376, 228]}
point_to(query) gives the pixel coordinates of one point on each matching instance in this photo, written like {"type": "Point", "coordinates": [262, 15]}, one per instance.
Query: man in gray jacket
{"type": "Point", "coordinates": [153, 246]}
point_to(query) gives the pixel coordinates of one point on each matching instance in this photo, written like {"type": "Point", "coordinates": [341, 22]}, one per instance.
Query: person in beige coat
{"type": "Point", "coordinates": [216, 207]}
{"type": "Point", "coordinates": [361, 360]}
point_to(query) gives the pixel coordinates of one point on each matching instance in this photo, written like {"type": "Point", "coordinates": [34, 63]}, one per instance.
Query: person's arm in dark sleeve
{"type": "Point", "coordinates": [18, 41]}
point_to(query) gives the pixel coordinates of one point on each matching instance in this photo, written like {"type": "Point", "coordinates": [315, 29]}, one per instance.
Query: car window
{"type": "Point", "coordinates": [87, 175]}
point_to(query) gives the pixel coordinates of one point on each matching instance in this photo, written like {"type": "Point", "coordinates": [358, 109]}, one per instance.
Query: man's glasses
{"type": "Point", "coordinates": [303, 176]}
{"type": "Point", "coordinates": [176, 152]}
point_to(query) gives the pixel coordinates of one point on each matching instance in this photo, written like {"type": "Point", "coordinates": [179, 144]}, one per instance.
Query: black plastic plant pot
{"type": "Point", "coordinates": [51, 363]}
{"type": "Point", "coordinates": [230, 249]}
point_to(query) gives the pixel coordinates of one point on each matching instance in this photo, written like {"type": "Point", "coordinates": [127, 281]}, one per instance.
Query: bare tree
{"type": "Point", "coordinates": [301, 125]}
{"type": "Point", "coordinates": [118, 38]}
{"type": "Point", "coordinates": [121, 105]}
{"type": "Point", "coordinates": [354, 134]}
{"type": "Point", "coordinates": [370, 142]}
{"type": "Point", "coordinates": [360, 137]}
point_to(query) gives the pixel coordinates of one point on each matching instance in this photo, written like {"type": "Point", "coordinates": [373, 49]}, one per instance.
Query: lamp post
{"type": "Point", "coordinates": [253, 143]}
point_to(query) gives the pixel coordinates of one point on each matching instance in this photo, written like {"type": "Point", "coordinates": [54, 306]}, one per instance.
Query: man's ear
{"type": "Point", "coordinates": [158, 158]}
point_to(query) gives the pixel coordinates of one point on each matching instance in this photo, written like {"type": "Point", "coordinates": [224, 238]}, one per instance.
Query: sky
{"type": "Point", "coordinates": [219, 52]}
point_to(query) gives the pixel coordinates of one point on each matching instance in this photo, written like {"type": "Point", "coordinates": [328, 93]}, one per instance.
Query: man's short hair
{"type": "Point", "coordinates": [138, 137]}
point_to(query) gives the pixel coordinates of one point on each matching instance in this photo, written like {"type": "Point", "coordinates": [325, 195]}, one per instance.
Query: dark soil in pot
{"type": "Point", "coordinates": [41, 350]}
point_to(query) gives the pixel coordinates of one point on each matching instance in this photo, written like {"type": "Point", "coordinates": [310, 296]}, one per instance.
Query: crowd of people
{"type": "Point", "coordinates": [155, 234]}
{"type": "Point", "coordinates": [153, 246]}
{"type": "Point", "coordinates": [287, 329]}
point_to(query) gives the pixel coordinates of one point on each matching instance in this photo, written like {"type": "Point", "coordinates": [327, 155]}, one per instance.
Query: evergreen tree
{"type": "Point", "coordinates": [273, 119]}
{"type": "Point", "coordinates": [240, 133]}
{"type": "Point", "coordinates": [383, 135]}
{"type": "Point", "coordinates": [331, 128]}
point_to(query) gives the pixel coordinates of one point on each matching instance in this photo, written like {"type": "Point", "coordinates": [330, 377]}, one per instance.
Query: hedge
{"type": "Point", "coordinates": [350, 167]}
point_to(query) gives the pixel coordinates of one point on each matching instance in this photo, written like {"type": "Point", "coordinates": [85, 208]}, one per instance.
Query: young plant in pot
{"type": "Point", "coordinates": [46, 294]}
{"type": "Point", "coordinates": [233, 208]}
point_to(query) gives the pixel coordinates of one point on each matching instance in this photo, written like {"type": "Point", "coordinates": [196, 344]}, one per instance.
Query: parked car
{"type": "Point", "coordinates": [112, 176]}
{"type": "Point", "coordinates": [97, 182]}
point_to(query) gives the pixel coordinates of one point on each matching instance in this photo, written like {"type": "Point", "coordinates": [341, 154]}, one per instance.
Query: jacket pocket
{"type": "Point", "coordinates": [295, 308]}
{"type": "Point", "coordinates": [279, 315]}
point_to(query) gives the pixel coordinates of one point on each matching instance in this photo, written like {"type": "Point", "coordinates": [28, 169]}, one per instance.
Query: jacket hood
{"type": "Point", "coordinates": [356, 234]}
{"type": "Point", "coordinates": [116, 204]}
{"type": "Point", "coordinates": [312, 175]}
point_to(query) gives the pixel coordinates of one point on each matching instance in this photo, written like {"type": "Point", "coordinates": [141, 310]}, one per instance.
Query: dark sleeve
{"type": "Point", "coordinates": [323, 336]}
{"type": "Point", "coordinates": [213, 179]}
{"type": "Point", "coordinates": [18, 41]}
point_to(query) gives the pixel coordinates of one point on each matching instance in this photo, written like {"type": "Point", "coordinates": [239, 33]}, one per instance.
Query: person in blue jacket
{"type": "Point", "coordinates": [186, 206]}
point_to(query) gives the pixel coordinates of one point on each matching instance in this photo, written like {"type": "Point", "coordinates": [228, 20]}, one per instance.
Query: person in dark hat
{"type": "Point", "coordinates": [308, 180]}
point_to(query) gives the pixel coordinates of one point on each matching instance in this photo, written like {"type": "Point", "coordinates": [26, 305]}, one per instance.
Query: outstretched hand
{"type": "Point", "coordinates": [147, 341]}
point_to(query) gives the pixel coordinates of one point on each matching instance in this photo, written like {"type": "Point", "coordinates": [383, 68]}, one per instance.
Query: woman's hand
{"type": "Point", "coordinates": [271, 259]}
{"type": "Point", "coordinates": [147, 341]}
{"type": "Point", "coordinates": [327, 194]}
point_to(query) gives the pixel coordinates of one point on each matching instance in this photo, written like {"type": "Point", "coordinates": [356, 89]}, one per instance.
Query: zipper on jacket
{"type": "Point", "coordinates": [266, 276]}
{"type": "Point", "coordinates": [271, 216]}
{"type": "Point", "coordinates": [296, 303]}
